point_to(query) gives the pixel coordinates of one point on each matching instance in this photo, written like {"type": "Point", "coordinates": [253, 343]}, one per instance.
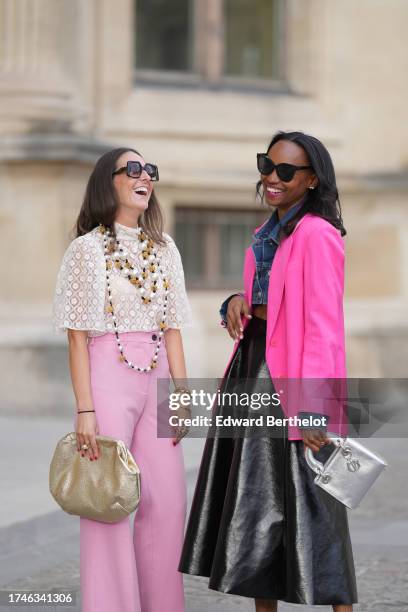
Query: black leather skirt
{"type": "Point", "coordinates": [259, 527]}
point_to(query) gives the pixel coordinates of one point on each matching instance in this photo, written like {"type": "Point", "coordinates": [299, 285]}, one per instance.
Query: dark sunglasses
{"type": "Point", "coordinates": [285, 172]}
{"type": "Point", "coordinates": [134, 169]}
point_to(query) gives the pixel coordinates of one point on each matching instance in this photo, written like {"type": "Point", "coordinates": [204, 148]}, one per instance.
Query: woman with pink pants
{"type": "Point", "coordinates": [121, 297]}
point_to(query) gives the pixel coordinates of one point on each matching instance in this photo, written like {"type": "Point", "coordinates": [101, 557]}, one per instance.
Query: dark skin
{"type": "Point", "coordinates": [289, 194]}
{"type": "Point", "coordinates": [283, 151]}
{"type": "Point", "coordinates": [288, 152]}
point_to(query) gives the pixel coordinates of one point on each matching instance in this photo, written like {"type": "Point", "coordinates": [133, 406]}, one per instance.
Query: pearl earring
{"type": "Point", "coordinates": [311, 187]}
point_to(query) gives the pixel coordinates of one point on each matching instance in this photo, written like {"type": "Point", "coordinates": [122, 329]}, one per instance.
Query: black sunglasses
{"type": "Point", "coordinates": [134, 169]}
{"type": "Point", "coordinates": [285, 172]}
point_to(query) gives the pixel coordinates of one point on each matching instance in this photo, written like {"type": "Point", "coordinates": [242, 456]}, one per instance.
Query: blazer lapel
{"type": "Point", "coordinates": [277, 279]}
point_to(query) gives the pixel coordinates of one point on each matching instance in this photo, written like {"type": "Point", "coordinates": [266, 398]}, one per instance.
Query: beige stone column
{"type": "Point", "coordinates": [37, 45]}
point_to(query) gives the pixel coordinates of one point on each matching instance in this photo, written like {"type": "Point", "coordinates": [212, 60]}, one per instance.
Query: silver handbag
{"type": "Point", "coordinates": [349, 472]}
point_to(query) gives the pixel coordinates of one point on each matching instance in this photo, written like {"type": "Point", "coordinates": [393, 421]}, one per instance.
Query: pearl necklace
{"type": "Point", "coordinates": [137, 279]}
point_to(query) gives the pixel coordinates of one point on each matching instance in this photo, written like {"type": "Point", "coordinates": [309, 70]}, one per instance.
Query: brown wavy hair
{"type": "Point", "coordinates": [100, 202]}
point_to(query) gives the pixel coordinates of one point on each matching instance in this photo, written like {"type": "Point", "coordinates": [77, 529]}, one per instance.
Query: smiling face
{"type": "Point", "coordinates": [132, 194]}
{"type": "Point", "coordinates": [277, 192]}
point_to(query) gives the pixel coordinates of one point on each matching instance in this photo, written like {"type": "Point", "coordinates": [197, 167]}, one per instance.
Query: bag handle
{"type": "Point", "coordinates": [352, 463]}
{"type": "Point", "coordinates": [316, 465]}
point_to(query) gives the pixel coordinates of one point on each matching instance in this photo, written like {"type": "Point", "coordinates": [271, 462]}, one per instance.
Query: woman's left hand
{"type": "Point", "coordinates": [315, 439]}
{"type": "Point", "coordinates": [181, 430]}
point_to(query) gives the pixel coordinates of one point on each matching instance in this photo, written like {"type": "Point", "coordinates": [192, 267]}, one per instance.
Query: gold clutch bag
{"type": "Point", "coordinates": [106, 490]}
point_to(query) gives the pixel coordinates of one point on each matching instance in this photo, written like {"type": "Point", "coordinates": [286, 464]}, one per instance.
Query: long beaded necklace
{"type": "Point", "coordinates": [114, 256]}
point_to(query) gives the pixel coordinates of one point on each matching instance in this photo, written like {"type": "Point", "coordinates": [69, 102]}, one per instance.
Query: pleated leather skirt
{"type": "Point", "coordinates": [259, 527]}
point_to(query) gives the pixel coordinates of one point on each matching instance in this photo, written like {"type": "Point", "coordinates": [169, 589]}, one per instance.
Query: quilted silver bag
{"type": "Point", "coordinates": [349, 472]}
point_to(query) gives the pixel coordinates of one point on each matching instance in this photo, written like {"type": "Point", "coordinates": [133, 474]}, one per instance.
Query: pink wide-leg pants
{"type": "Point", "coordinates": [121, 571]}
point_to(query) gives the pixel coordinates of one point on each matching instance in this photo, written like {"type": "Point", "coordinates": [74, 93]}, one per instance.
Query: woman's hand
{"type": "Point", "coordinates": [181, 430]}
{"type": "Point", "coordinates": [182, 412]}
{"type": "Point", "coordinates": [314, 439]}
{"type": "Point", "coordinates": [177, 367]}
{"type": "Point", "coordinates": [237, 307]}
{"type": "Point", "coordinates": [86, 430]}
{"type": "Point", "coordinates": [86, 425]}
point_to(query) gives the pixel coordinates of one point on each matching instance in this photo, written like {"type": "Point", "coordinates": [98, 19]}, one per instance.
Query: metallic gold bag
{"type": "Point", "coordinates": [106, 490]}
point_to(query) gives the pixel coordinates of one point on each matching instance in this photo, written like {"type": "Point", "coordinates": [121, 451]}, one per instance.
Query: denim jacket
{"type": "Point", "coordinates": [266, 242]}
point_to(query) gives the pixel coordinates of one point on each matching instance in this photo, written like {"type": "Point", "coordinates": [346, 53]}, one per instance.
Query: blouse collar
{"type": "Point", "coordinates": [128, 233]}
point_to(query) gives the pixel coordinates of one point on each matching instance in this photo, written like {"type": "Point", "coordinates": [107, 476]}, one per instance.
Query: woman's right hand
{"type": "Point", "coordinates": [237, 307]}
{"type": "Point", "coordinates": [314, 439]}
{"type": "Point", "coordinates": [86, 430]}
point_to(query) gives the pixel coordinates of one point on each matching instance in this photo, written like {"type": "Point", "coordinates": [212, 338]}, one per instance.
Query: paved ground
{"type": "Point", "coordinates": [39, 543]}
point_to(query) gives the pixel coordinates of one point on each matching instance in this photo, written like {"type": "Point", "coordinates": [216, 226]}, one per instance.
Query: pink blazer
{"type": "Point", "coordinates": [305, 322]}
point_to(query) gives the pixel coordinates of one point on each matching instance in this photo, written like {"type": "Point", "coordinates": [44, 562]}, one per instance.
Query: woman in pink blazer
{"type": "Point", "coordinates": [259, 527]}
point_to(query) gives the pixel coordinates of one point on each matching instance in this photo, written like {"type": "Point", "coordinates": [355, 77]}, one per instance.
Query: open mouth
{"type": "Point", "coordinates": [141, 191]}
{"type": "Point", "coordinates": [273, 191]}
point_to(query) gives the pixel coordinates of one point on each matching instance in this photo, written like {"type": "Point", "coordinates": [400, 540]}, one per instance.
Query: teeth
{"type": "Point", "coordinates": [141, 190]}
{"type": "Point", "coordinates": [272, 190]}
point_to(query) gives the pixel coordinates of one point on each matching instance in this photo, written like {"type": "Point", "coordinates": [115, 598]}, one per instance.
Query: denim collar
{"type": "Point", "coordinates": [271, 230]}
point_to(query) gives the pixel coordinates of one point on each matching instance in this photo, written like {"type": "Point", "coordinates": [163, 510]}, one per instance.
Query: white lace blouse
{"type": "Point", "coordinates": [81, 298]}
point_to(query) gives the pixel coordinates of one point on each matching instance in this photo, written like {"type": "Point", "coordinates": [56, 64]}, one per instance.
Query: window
{"type": "Point", "coordinates": [252, 33]}
{"type": "Point", "coordinates": [213, 41]}
{"type": "Point", "coordinates": [212, 244]}
{"type": "Point", "coordinates": [163, 35]}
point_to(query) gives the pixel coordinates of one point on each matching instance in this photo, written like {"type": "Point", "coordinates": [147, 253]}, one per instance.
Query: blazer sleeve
{"type": "Point", "coordinates": [324, 344]}
{"type": "Point", "coordinates": [224, 308]}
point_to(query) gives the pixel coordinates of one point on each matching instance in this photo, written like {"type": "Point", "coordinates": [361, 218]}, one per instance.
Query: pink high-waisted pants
{"type": "Point", "coordinates": [121, 572]}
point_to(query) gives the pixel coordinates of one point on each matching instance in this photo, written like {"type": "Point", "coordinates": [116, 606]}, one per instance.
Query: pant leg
{"type": "Point", "coordinates": [159, 520]}
{"type": "Point", "coordinates": [108, 574]}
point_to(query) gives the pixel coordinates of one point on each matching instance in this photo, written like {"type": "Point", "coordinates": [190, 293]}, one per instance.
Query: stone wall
{"type": "Point", "coordinates": [68, 92]}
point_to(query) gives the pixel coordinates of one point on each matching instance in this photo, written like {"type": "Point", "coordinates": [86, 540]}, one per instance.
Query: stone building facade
{"type": "Point", "coordinates": [199, 87]}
